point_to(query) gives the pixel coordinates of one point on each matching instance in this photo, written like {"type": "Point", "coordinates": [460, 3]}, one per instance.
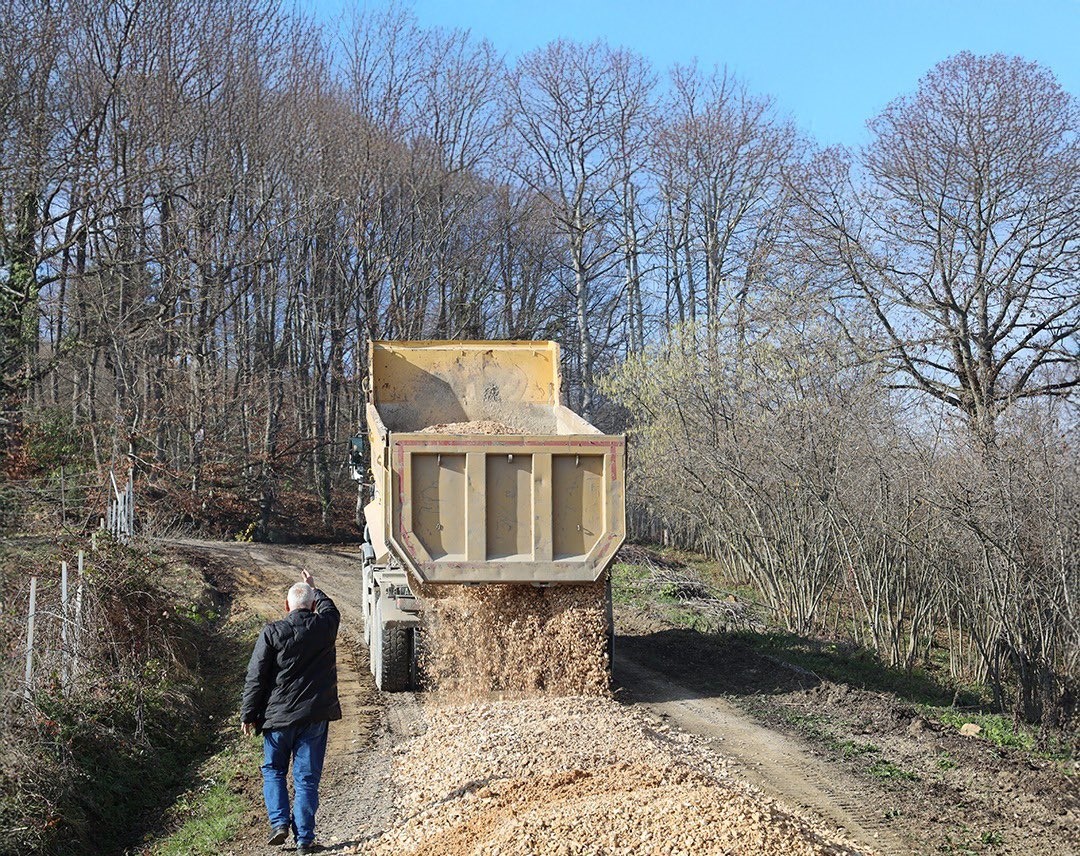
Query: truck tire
{"type": "Point", "coordinates": [396, 659]}
{"type": "Point", "coordinates": [395, 655]}
{"type": "Point", "coordinates": [394, 663]}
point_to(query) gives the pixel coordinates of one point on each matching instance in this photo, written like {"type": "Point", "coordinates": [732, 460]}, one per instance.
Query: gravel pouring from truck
{"type": "Point", "coordinates": [459, 499]}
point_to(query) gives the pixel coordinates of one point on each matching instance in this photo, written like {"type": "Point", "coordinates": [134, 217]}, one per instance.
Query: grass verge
{"type": "Point", "coordinates": [211, 809]}
{"type": "Point", "coordinates": [210, 812]}
{"type": "Point", "coordinates": [644, 583]}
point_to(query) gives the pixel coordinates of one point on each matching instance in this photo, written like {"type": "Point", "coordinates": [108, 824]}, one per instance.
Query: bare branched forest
{"type": "Point", "coordinates": [849, 376]}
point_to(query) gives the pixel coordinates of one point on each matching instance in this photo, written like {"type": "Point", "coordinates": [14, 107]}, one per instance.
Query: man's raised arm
{"type": "Point", "coordinates": [324, 606]}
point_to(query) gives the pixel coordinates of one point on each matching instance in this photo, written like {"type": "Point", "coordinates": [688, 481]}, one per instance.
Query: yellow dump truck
{"type": "Point", "coordinates": [477, 474]}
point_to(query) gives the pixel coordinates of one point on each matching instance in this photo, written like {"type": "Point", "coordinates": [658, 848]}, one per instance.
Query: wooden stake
{"type": "Point", "coordinates": [76, 648]}
{"type": "Point", "coordinates": [30, 637]}
{"type": "Point", "coordinates": [64, 652]}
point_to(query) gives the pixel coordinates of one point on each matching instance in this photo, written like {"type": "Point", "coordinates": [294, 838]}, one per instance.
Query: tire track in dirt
{"type": "Point", "coordinates": [764, 757]}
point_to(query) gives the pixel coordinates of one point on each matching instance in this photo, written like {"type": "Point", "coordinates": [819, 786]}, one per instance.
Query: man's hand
{"type": "Point", "coordinates": [248, 728]}
{"type": "Point", "coordinates": [309, 579]}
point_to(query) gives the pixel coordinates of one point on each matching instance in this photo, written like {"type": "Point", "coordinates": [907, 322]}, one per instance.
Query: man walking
{"type": "Point", "coordinates": [290, 695]}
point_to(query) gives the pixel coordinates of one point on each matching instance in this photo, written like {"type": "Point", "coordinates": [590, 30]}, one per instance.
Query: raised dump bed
{"type": "Point", "coordinates": [480, 475]}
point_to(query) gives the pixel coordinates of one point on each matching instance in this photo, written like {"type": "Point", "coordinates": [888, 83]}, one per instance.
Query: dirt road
{"type": "Point", "coordinates": [358, 795]}
{"type": "Point", "coordinates": [776, 763]}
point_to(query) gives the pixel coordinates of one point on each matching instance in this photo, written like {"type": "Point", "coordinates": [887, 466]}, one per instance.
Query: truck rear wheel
{"type": "Point", "coordinates": [392, 664]}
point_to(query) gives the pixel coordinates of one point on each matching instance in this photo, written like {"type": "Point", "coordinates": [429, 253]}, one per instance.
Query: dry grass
{"type": "Point", "coordinates": [82, 764]}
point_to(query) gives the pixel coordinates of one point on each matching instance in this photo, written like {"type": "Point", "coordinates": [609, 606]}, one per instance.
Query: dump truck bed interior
{"type": "Point", "coordinates": [544, 504]}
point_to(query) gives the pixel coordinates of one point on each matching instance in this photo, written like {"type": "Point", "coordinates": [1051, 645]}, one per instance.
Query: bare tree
{"type": "Point", "coordinates": [571, 106]}
{"type": "Point", "coordinates": [458, 122]}
{"type": "Point", "coordinates": [38, 154]}
{"type": "Point", "coordinates": [632, 150]}
{"type": "Point", "coordinates": [963, 235]}
{"type": "Point", "coordinates": [740, 459]}
{"type": "Point", "coordinates": [722, 151]}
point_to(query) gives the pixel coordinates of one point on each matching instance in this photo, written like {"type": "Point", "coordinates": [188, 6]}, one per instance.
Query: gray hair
{"type": "Point", "coordinates": [301, 596]}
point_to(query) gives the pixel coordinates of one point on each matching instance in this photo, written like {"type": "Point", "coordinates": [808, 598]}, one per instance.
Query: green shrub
{"type": "Point", "coordinates": [53, 441]}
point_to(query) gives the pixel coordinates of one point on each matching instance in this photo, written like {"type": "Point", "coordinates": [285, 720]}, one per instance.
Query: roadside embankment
{"type": "Point", "coordinates": [121, 702]}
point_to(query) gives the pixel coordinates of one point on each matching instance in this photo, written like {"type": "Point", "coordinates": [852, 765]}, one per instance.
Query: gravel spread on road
{"type": "Point", "coordinates": [516, 640]}
{"type": "Point", "coordinates": [524, 752]}
{"type": "Point", "coordinates": [576, 775]}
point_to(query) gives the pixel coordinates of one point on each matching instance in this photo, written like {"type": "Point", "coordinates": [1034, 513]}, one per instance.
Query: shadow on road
{"type": "Point", "coordinates": [708, 665]}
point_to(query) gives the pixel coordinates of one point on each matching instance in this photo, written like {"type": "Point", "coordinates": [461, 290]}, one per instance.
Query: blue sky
{"type": "Point", "coordinates": [830, 64]}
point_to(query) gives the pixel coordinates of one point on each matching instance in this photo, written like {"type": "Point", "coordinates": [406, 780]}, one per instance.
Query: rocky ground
{"type": "Point", "coordinates": [704, 749]}
{"type": "Point", "coordinates": [581, 775]}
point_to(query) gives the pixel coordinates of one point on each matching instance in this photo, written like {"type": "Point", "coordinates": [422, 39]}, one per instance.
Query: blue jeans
{"type": "Point", "coordinates": [306, 746]}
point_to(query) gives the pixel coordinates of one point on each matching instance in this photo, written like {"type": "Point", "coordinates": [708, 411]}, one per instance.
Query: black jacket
{"type": "Point", "coordinates": [292, 676]}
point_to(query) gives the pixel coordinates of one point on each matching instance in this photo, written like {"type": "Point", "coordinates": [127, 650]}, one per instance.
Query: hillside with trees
{"type": "Point", "coordinates": [848, 375]}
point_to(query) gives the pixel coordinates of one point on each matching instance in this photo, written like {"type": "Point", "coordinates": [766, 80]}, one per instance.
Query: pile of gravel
{"type": "Point", "coordinates": [580, 775]}
{"type": "Point", "coordinates": [515, 640]}
{"type": "Point", "coordinates": [479, 426]}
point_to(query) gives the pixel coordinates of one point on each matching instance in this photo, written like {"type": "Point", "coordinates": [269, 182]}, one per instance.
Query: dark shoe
{"type": "Point", "coordinates": [279, 835]}
{"type": "Point", "coordinates": [309, 848]}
